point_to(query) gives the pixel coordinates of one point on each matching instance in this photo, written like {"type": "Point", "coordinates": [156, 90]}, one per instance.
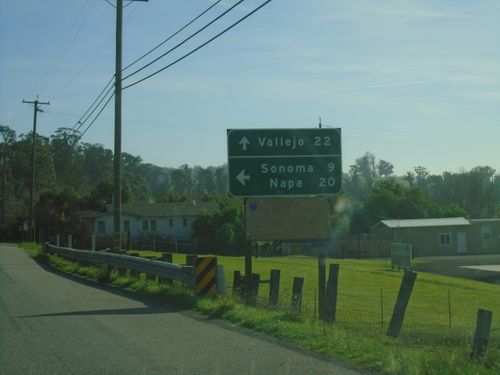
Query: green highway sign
{"type": "Point", "coordinates": [293, 162]}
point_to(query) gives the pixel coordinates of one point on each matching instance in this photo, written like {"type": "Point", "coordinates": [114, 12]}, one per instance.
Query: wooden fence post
{"type": "Point", "coordinates": [331, 292]}
{"type": "Point", "coordinates": [237, 290]}
{"type": "Point", "coordinates": [255, 288]}
{"type": "Point", "coordinates": [482, 335]}
{"type": "Point", "coordinates": [402, 302]}
{"type": "Point", "coordinates": [298, 283]}
{"type": "Point", "coordinates": [274, 288]}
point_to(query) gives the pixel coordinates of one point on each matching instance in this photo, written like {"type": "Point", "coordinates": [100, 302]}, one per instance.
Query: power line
{"type": "Point", "coordinates": [197, 48]}
{"type": "Point", "coordinates": [61, 47]}
{"type": "Point", "coordinates": [171, 36]}
{"type": "Point", "coordinates": [185, 40]}
{"type": "Point", "coordinates": [103, 96]}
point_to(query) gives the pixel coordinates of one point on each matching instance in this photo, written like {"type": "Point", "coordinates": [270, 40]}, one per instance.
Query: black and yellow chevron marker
{"type": "Point", "coordinates": [206, 276]}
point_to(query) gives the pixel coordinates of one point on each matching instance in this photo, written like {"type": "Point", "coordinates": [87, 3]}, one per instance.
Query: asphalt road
{"type": "Point", "coordinates": [52, 323]}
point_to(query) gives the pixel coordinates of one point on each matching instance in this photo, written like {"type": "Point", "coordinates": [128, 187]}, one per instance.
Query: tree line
{"type": "Point", "coordinates": [72, 177]}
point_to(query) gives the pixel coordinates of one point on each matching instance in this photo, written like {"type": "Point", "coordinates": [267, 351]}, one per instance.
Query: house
{"type": "Point", "coordinates": [443, 236]}
{"type": "Point", "coordinates": [171, 220]}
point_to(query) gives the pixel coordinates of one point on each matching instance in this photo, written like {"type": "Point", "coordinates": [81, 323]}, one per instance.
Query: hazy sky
{"type": "Point", "coordinates": [416, 83]}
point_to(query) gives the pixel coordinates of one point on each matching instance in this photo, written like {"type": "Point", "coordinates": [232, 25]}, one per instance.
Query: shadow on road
{"type": "Point", "coordinates": [154, 304]}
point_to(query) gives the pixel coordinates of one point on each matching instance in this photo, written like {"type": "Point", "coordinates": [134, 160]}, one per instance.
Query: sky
{"type": "Point", "coordinates": [415, 83]}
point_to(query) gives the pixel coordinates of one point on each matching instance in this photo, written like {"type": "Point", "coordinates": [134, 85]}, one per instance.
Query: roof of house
{"type": "Point", "coordinates": [416, 223]}
{"type": "Point", "coordinates": [188, 208]}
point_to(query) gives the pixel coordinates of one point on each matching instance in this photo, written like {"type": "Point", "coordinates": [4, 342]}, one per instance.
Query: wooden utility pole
{"type": "Point", "coordinates": [117, 161]}
{"type": "Point", "coordinates": [31, 225]}
{"type": "Point", "coordinates": [117, 196]}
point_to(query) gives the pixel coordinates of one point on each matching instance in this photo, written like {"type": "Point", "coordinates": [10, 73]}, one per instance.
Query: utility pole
{"type": "Point", "coordinates": [117, 159]}
{"type": "Point", "coordinates": [31, 226]}
{"type": "Point", "coordinates": [117, 195]}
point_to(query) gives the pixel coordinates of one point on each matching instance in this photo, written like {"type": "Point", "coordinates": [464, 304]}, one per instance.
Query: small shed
{"type": "Point", "coordinates": [435, 236]}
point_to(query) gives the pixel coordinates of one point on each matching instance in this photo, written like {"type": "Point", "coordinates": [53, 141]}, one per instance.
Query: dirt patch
{"type": "Point", "coordinates": [452, 266]}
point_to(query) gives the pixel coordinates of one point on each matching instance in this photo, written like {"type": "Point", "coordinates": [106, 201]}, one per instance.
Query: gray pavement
{"type": "Point", "coordinates": [52, 323]}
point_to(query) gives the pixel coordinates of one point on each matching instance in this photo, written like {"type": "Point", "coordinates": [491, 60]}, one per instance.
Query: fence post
{"type": "Point", "coordinates": [58, 240]}
{"type": "Point", "coordinates": [92, 242]}
{"type": "Point", "coordinates": [322, 283]}
{"type": "Point", "coordinates": [237, 283]}
{"type": "Point", "coordinates": [167, 258]}
{"type": "Point", "coordinates": [274, 288]}
{"type": "Point", "coordinates": [482, 335]}
{"type": "Point", "coordinates": [331, 292]}
{"type": "Point", "coordinates": [70, 241]}
{"type": "Point", "coordinates": [298, 283]}
{"type": "Point", "coordinates": [221, 280]}
{"type": "Point", "coordinates": [401, 303]}
{"type": "Point", "coordinates": [252, 298]}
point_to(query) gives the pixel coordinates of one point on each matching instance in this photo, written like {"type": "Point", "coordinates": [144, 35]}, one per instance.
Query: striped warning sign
{"type": "Point", "coordinates": [206, 276]}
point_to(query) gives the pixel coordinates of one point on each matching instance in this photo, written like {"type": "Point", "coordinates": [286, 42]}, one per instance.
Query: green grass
{"type": "Point", "coordinates": [367, 293]}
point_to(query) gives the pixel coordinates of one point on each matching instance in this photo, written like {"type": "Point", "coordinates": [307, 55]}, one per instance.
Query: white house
{"type": "Point", "coordinates": [173, 219]}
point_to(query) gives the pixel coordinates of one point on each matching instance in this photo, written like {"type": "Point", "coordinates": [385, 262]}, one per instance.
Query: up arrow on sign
{"type": "Point", "coordinates": [242, 177]}
{"type": "Point", "coordinates": [244, 141]}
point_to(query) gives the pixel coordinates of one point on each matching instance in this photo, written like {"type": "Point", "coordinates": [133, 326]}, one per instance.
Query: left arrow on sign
{"type": "Point", "coordinates": [242, 177]}
{"type": "Point", "coordinates": [244, 141]}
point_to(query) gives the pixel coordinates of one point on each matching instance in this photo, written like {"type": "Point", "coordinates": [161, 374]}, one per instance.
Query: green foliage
{"type": "Point", "coordinates": [222, 230]}
{"type": "Point", "coordinates": [65, 164]}
{"type": "Point", "coordinates": [392, 200]}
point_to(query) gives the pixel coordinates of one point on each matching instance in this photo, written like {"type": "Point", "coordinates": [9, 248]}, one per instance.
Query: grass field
{"type": "Point", "coordinates": [436, 337]}
{"type": "Point", "coordinates": [368, 290]}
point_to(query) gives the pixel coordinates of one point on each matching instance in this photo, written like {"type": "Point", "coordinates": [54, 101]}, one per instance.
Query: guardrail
{"type": "Point", "coordinates": [168, 271]}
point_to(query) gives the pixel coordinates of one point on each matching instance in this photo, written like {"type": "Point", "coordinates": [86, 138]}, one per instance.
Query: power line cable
{"type": "Point", "coordinates": [69, 46]}
{"type": "Point", "coordinates": [170, 37]}
{"type": "Point", "coordinates": [107, 89]}
{"type": "Point", "coordinates": [92, 109]}
{"type": "Point", "coordinates": [96, 117]}
{"type": "Point", "coordinates": [185, 40]}
{"type": "Point", "coordinates": [197, 48]}
{"type": "Point", "coordinates": [59, 50]}
{"type": "Point", "coordinates": [109, 86]}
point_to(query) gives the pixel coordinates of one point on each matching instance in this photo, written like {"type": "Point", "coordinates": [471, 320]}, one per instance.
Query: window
{"type": "Point", "coordinates": [445, 239]}
{"type": "Point", "coordinates": [170, 223]}
{"type": "Point", "coordinates": [101, 227]}
{"type": "Point", "coordinates": [145, 226]}
{"type": "Point", "coordinates": [486, 232]}
{"type": "Point", "coordinates": [185, 222]}
{"type": "Point", "coordinates": [153, 225]}
{"type": "Point", "coordinates": [126, 226]}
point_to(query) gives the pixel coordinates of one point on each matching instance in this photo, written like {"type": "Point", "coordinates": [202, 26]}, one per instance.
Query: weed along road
{"type": "Point", "coordinates": [51, 323]}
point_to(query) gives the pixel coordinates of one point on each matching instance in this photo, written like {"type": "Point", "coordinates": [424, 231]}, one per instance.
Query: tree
{"type": "Point", "coordinates": [366, 165]}
{"type": "Point", "coordinates": [134, 176]}
{"type": "Point", "coordinates": [205, 182]}
{"type": "Point", "coordinates": [385, 168]}
{"type": "Point", "coordinates": [98, 162]}
{"type": "Point", "coordinates": [102, 194]}
{"type": "Point", "coordinates": [68, 159]}
{"type": "Point", "coordinates": [391, 200]}
{"type": "Point", "coordinates": [8, 193]}
{"type": "Point", "coordinates": [182, 180]}
{"type": "Point", "coordinates": [222, 232]}
{"type": "Point", "coordinates": [422, 177]}
{"type": "Point", "coordinates": [473, 191]}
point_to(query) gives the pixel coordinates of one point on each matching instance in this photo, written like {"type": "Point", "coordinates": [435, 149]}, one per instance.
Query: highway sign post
{"type": "Point", "coordinates": [284, 162]}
